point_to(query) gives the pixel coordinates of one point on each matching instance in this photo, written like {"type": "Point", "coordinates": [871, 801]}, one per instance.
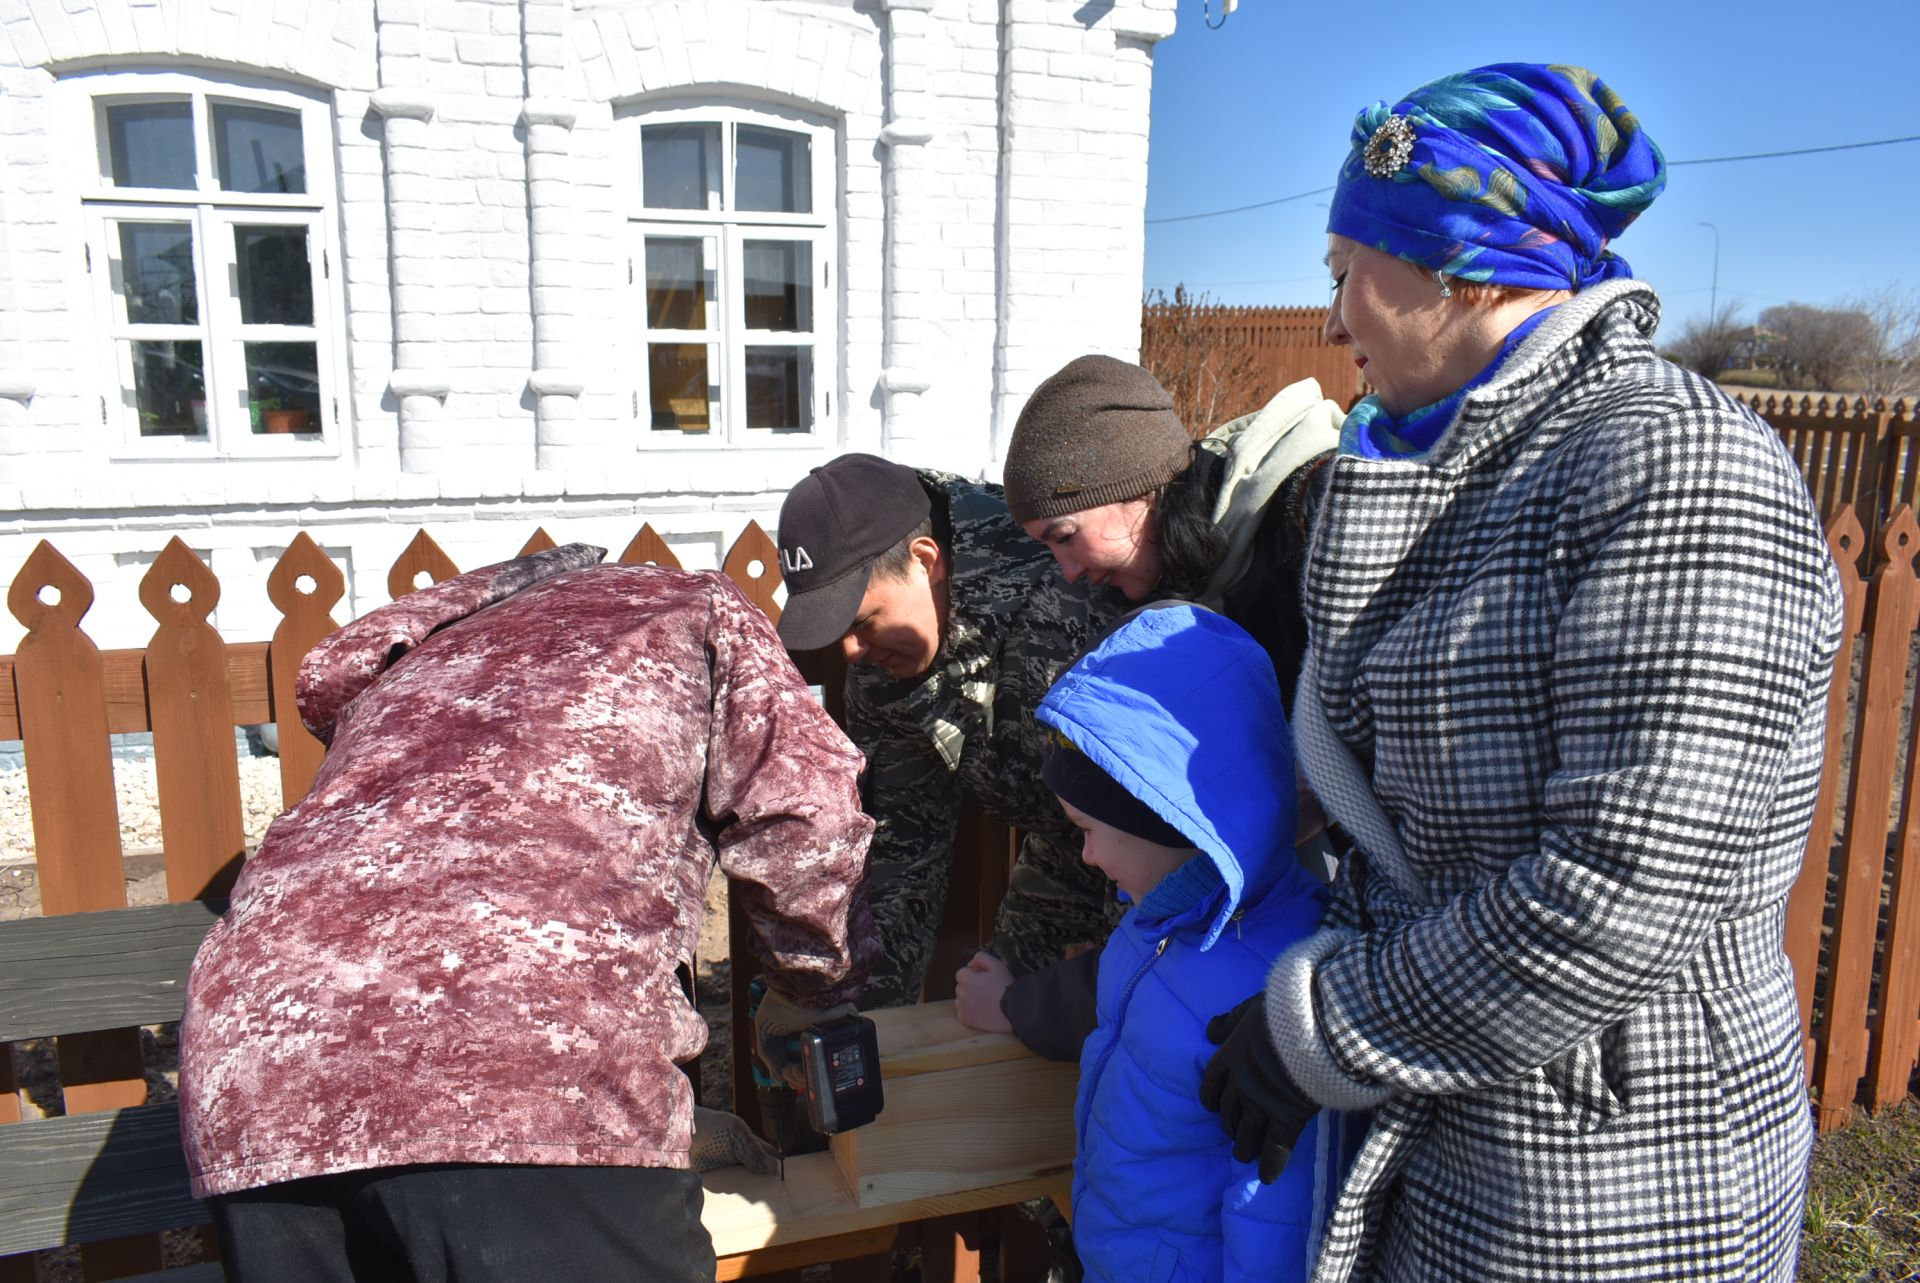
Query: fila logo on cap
{"type": "Point", "coordinates": [794, 559]}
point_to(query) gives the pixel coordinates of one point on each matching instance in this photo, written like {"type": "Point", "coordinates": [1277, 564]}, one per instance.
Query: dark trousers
{"type": "Point", "coordinates": [468, 1223]}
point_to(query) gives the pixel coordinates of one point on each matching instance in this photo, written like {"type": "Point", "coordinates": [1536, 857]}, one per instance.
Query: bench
{"type": "Point", "coordinates": [88, 1177]}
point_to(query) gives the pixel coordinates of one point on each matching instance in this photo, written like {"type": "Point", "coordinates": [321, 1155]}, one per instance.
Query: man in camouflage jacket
{"type": "Point", "coordinates": [943, 708]}
{"type": "Point", "coordinates": [447, 979]}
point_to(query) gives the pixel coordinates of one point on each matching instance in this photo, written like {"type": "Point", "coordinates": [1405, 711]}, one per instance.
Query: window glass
{"type": "Point", "coordinates": [677, 378]}
{"type": "Point", "coordinates": [156, 273]}
{"type": "Point", "coordinates": [773, 171]}
{"type": "Point", "coordinates": [275, 275]}
{"type": "Point", "coordinates": [678, 166]}
{"type": "Point", "coordinates": [779, 284]}
{"type": "Point", "coordinates": [150, 144]}
{"type": "Point", "coordinates": [167, 389]}
{"type": "Point", "coordinates": [780, 388]}
{"type": "Point", "coordinates": [676, 283]}
{"type": "Point", "coordinates": [283, 387]}
{"type": "Point", "coordinates": [258, 149]}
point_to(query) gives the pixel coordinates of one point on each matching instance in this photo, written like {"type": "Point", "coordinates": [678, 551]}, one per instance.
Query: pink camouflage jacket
{"type": "Point", "coordinates": [460, 946]}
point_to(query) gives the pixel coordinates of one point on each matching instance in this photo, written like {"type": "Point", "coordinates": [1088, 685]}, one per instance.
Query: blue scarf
{"type": "Point", "coordinates": [1372, 433]}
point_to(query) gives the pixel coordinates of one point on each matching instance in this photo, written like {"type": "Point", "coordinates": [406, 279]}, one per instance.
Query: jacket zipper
{"type": "Point", "coordinates": [1119, 1020]}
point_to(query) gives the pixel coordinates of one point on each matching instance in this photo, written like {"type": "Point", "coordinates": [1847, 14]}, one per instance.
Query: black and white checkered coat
{"type": "Point", "coordinates": [1567, 687]}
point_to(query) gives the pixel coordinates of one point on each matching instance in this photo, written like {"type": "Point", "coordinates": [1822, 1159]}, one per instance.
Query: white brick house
{"type": "Point", "coordinates": [363, 266]}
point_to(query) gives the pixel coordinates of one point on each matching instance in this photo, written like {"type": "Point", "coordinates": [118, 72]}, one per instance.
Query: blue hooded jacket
{"type": "Point", "coordinates": [1180, 706]}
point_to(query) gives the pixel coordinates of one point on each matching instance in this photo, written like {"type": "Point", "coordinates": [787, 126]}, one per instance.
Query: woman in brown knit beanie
{"type": "Point", "coordinates": [1102, 471]}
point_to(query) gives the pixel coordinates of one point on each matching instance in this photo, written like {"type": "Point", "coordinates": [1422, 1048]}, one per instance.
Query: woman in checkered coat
{"type": "Point", "coordinates": [1572, 620]}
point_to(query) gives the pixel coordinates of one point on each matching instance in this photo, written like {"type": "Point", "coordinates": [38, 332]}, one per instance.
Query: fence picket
{"type": "Point", "coordinates": [754, 548]}
{"type": "Point", "coordinates": [421, 555]}
{"type": "Point", "coordinates": [306, 617]}
{"type": "Point", "coordinates": [539, 541]}
{"type": "Point", "coordinates": [649, 549]}
{"type": "Point", "coordinates": [196, 769]}
{"type": "Point", "coordinates": [1891, 614]}
{"type": "Point", "coordinates": [1896, 1025]}
{"type": "Point", "coordinates": [1806, 906]}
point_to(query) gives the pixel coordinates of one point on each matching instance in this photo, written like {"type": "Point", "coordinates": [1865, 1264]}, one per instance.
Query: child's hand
{"type": "Point", "coordinates": [978, 989]}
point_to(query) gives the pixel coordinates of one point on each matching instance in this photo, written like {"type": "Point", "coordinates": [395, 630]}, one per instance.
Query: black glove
{"type": "Point", "coordinates": [1245, 1083]}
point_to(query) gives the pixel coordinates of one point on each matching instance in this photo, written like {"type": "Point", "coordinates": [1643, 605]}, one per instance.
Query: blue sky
{"type": "Point", "coordinates": [1261, 109]}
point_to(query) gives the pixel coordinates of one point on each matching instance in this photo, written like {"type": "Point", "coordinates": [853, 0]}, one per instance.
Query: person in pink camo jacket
{"type": "Point", "coordinates": [437, 1034]}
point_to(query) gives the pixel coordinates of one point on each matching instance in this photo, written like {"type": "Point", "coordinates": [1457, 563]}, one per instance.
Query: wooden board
{"type": "Point", "coordinates": [85, 971]}
{"type": "Point", "coordinates": [87, 1177]}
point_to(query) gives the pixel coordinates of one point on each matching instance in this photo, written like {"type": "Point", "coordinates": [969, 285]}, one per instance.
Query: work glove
{"type": "Point", "coordinates": [1258, 1102]}
{"type": "Point", "coordinates": [721, 1139]}
{"type": "Point", "coordinates": [778, 1019]}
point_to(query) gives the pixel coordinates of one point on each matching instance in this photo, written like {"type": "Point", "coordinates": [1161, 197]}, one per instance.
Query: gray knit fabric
{"type": "Point", "coordinates": [1309, 1059]}
{"type": "Point", "coordinates": [1098, 431]}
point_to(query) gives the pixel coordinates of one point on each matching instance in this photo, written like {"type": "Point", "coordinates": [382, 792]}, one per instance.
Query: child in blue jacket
{"type": "Point", "coordinates": [1173, 758]}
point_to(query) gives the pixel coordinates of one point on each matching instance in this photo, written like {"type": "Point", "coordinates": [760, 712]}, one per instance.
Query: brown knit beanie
{"type": "Point", "coordinates": [1099, 431]}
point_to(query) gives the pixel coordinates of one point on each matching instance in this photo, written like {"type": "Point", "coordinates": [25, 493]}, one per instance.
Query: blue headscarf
{"type": "Point", "coordinates": [1515, 174]}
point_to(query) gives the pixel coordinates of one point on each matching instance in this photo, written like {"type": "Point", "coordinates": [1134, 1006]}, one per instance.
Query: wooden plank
{"type": "Point", "coordinates": [88, 1177]}
{"type": "Point", "coordinates": [538, 541]}
{"type": "Point", "coordinates": [1891, 615]}
{"type": "Point", "coordinates": [745, 1212]}
{"type": "Point", "coordinates": [196, 768]}
{"type": "Point", "coordinates": [421, 556]}
{"type": "Point", "coordinates": [1896, 1022]}
{"type": "Point", "coordinates": [649, 549]}
{"type": "Point", "coordinates": [1807, 904]}
{"type": "Point", "coordinates": [928, 1038]}
{"type": "Point", "coordinates": [793, 1256]}
{"type": "Point", "coordinates": [87, 971]}
{"type": "Point", "coordinates": [753, 563]}
{"type": "Point", "coordinates": [306, 616]}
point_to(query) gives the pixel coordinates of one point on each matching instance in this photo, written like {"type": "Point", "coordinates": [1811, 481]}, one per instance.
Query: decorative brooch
{"type": "Point", "coordinates": [1390, 147]}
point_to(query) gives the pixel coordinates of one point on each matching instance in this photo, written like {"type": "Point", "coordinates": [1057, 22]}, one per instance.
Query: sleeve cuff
{"type": "Point", "coordinates": [1303, 1049]}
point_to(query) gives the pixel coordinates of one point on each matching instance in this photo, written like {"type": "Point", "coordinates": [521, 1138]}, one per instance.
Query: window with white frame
{"type": "Point", "coordinates": [207, 209]}
{"type": "Point", "coordinates": [733, 235]}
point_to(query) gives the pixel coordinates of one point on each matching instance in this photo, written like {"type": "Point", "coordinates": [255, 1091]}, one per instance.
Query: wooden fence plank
{"type": "Point", "coordinates": [88, 1177]}
{"type": "Point", "coordinates": [539, 541]}
{"type": "Point", "coordinates": [649, 549]}
{"type": "Point", "coordinates": [421, 556]}
{"type": "Point", "coordinates": [306, 617]}
{"type": "Point", "coordinates": [196, 769]}
{"type": "Point", "coordinates": [1891, 614]}
{"type": "Point", "coordinates": [754, 564]}
{"type": "Point", "coordinates": [86, 971]}
{"type": "Point", "coordinates": [1807, 905]}
{"type": "Point", "coordinates": [1896, 1025]}
{"type": "Point", "coordinates": [60, 688]}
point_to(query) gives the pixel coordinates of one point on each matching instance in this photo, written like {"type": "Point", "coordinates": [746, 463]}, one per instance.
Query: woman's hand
{"type": "Point", "coordinates": [979, 987]}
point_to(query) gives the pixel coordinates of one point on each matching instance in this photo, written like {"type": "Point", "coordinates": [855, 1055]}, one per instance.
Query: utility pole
{"type": "Point", "coordinates": [1713, 299]}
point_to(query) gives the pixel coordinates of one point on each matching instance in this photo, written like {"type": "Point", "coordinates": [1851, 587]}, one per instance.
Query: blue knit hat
{"type": "Point", "coordinates": [1514, 174]}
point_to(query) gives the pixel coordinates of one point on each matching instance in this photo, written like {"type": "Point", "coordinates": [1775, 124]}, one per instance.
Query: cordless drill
{"type": "Point", "coordinates": [840, 1061]}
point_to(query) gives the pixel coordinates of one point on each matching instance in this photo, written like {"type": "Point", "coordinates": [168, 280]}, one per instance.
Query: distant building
{"type": "Point", "coordinates": [363, 266]}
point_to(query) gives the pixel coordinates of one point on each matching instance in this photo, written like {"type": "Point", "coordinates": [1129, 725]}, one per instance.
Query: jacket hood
{"type": "Point", "coordinates": [347, 662]}
{"type": "Point", "coordinates": [1180, 706]}
{"type": "Point", "coordinates": [1258, 452]}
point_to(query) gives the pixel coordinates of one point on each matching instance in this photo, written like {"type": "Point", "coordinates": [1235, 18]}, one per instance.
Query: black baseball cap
{"type": "Point", "coordinates": [833, 525]}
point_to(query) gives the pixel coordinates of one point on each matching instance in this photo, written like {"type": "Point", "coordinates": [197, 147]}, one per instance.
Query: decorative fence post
{"type": "Point", "coordinates": [306, 617]}
{"type": "Point", "coordinates": [422, 556]}
{"type": "Point", "coordinates": [649, 549]}
{"type": "Point", "coordinates": [1891, 616]}
{"type": "Point", "coordinates": [196, 768]}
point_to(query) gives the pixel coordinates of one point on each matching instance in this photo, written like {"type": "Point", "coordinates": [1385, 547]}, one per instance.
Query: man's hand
{"type": "Point", "coordinates": [722, 1140]}
{"type": "Point", "coordinates": [1248, 1086]}
{"type": "Point", "coordinates": [978, 988]}
{"type": "Point", "coordinates": [777, 1019]}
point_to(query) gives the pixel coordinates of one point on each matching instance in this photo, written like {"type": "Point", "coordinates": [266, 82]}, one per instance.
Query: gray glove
{"type": "Point", "coordinates": [777, 1019]}
{"type": "Point", "coordinates": [721, 1139]}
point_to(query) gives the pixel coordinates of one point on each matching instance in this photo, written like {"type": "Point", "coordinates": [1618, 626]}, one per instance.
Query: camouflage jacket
{"type": "Point", "coordinates": [964, 732]}
{"type": "Point", "coordinates": [460, 946]}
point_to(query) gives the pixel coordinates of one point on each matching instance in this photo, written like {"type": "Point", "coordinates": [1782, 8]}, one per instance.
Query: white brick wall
{"type": "Point", "coordinates": [482, 246]}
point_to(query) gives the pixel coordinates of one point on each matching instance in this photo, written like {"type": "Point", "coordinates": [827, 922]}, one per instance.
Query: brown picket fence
{"type": "Point", "coordinates": [1853, 924]}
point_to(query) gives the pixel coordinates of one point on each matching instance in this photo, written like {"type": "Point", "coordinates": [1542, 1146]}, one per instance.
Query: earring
{"type": "Point", "coordinates": [1440, 279]}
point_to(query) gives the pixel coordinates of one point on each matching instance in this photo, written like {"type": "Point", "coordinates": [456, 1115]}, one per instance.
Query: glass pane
{"type": "Point", "coordinates": [780, 388]}
{"type": "Point", "coordinates": [276, 276]}
{"type": "Point", "coordinates": [779, 284]}
{"type": "Point", "coordinates": [283, 387]}
{"type": "Point", "coordinates": [677, 165]}
{"type": "Point", "coordinates": [156, 274]}
{"type": "Point", "coordinates": [150, 144]}
{"type": "Point", "coordinates": [167, 391]}
{"type": "Point", "coordinates": [773, 170]}
{"type": "Point", "coordinates": [677, 386]}
{"type": "Point", "coordinates": [676, 283]}
{"type": "Point", "coordinates": [258, 149]}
